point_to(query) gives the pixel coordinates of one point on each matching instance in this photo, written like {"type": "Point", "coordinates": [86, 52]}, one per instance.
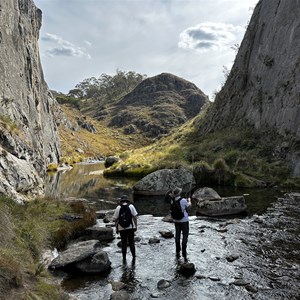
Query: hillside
{"type": "Point", "coordinates": [84, 137]}
{"type": "Point", "coordinates": [156, 106]}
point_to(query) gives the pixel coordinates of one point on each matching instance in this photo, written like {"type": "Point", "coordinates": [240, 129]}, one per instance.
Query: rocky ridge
{"type": "Point", "coordinates": [29, 137]}
{"type": "Point", "coordinates": [156, 105]}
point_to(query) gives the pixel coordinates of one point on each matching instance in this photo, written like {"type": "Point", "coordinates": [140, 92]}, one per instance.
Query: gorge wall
{"type": "Point", "coordinates": [28, 132]}
{"type": "Point", "coordinates": [263, 87]}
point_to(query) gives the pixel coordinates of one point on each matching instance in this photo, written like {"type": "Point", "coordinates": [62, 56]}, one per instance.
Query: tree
{"type": "Point", "coordinates": [107, 89]}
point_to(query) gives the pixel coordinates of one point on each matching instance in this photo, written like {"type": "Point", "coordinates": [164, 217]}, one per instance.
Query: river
{"type": "Point", "coordinates": [265, 243]}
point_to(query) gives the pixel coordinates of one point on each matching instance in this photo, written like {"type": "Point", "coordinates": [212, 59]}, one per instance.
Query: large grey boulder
{"type": "Point", "coordinates": [81, 255]}
{"type": "Point", "coordinates": [223, 206]}
{"type": "Point", "coordinates": [159, 182]}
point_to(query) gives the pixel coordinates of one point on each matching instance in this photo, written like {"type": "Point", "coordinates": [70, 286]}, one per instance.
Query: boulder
{"type": "Point", "coordinates": [224, 206]}
{"type": "Point", "coordinates": [206, 193]}
{"type": "Point", "coordinates": [75, 253]}
{"type": "Point", "coordinates": [99, 233]}
{"type": "Point", "coordinates": [109, 216]}
{"type": "Point", "coordinates": [110, 160]}
{"type": "Point", "coordinates": [159, 182]}
{"type": "Point", "coordinates": [187, 269]}
{"type": "Point", "coordinates": [97, 263]}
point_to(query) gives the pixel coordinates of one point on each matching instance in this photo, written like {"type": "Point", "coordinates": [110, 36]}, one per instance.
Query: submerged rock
{"type": "Point", "coordinates": [120, 295]}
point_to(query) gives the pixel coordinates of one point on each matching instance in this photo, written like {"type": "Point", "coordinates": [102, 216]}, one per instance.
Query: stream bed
{"type": "Point", "coordinates": [253, 256]}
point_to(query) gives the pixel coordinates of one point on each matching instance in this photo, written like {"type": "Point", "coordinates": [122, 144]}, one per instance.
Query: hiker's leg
{"type": "Point", "coordinates": [185, 233]}
{"type": "Point", "coordinates": [131, 241]}
{"type": "Point", "coordinates": [177, 238]}
{"type": "Point", "coordinates": [123, 234]}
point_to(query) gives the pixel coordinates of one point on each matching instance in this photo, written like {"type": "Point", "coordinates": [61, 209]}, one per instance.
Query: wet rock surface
{"type": "Point", "coordinates": [251, 260]}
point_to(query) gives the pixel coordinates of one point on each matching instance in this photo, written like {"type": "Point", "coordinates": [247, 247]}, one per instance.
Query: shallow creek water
{"type": "Point", "coordinates": [265, 243]}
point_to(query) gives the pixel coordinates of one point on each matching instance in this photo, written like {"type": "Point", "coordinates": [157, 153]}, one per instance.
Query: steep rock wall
{"type": "Point", "coordinates": [263, 87]}
{"type": "Point", "coordinates": [28, 132]}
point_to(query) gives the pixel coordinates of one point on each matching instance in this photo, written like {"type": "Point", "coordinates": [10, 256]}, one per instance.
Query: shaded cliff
{"type": "Point", "coordinates": [28, 132]}
{"type": "Point", "coordinates": [263, 87]}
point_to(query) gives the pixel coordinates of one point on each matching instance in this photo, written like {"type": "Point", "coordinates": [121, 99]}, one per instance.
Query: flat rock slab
{"type": "Point", "coordinates": [75, 253]}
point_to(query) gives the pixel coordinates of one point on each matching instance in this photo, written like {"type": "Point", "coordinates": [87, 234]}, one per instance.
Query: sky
{"type": "Point", "coordinates": [192, 39]}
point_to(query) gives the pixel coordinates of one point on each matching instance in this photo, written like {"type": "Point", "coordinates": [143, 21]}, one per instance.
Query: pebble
{"type": "Point", "coordinates": [154, 240]}
{"type": "Point", "coordinates": [240, 282]}
{"type": "Point", "coordinates": [214, 278]}
{"type": "Point", "coordinates": [162, 284]}
{"type": "Point", "coordinates": [156, 295]}
{"type": "Point", "coordinates": [232, 258]}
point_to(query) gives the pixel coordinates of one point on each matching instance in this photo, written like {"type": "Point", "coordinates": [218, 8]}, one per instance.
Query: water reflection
{"type": "Point", "coordinates": [87, 181]}
{"type": "Point", "coordinates": [128, 275]}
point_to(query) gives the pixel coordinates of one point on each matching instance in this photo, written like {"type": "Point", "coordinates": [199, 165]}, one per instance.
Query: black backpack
{"type": "Point", "coordinates": [176, 211]}
{"type": "Point", "coordinates": [125, 216]}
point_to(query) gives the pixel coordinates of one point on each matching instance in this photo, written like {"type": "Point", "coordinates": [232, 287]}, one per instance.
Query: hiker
{"type": "Point", "coordinates": [180, 217]}
{"type": "Point", "coordinates": [125, 218]}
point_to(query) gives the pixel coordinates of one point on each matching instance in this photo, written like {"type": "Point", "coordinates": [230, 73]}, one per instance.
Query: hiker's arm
{"type": "Point", "coordinates": [189, 201]}
{"type": "Point", "coordinates": [134, 218]}
{"type": "Point", "coordinates": [116, 219]}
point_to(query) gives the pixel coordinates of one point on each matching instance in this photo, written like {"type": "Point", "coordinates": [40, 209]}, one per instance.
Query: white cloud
{"type": "Point", "coordinates": [63, 48]}
{"type": "Point", "coordinates": [209, 36]}
{"type": "Point", "coordinates": [88, 43]}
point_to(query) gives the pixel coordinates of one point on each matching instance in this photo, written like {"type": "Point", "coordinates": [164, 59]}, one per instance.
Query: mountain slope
{"type": "Point", "coordinates": [155, 106]}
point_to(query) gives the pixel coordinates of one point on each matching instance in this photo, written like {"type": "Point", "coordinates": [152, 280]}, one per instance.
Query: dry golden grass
{"type": "Point", "coordinates": [106, 141]}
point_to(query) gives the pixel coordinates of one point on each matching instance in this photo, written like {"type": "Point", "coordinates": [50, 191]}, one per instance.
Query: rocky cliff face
{"type": "Point", "coordinates": [263, 87]}
{"type": "Point", "coordinates": [28, 133]}
{"type": "Point", "coordinates": [157, 105]}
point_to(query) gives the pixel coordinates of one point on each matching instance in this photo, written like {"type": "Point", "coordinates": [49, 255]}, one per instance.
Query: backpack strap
{"type": "Point", "coordinates": [177, 203]}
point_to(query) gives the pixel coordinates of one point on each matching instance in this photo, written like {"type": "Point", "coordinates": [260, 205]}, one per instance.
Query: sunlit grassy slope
{"type": "Point", "coordinates": [105, 141]}
{"type": "Point", "coordinates": [241, 157]}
